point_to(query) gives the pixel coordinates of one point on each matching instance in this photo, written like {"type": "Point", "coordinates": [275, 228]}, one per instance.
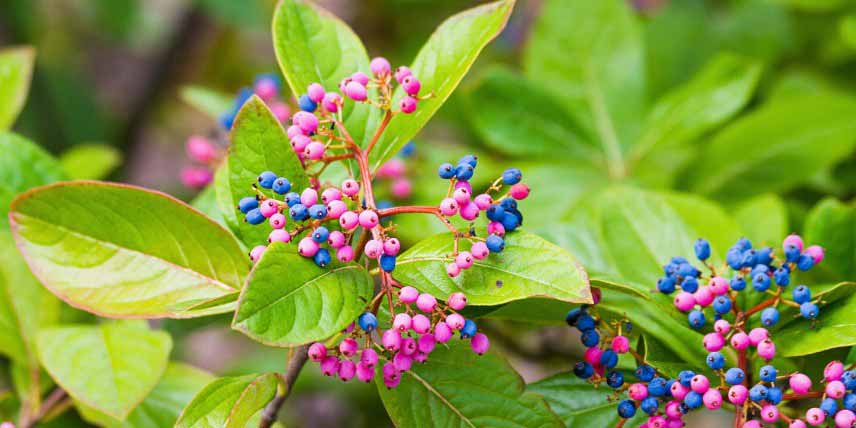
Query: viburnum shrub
{"type": "Point", "coordinates": [752, 385]}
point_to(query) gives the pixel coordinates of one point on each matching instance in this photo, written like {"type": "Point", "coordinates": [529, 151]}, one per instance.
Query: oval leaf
{"type": "Point", "coordinates": [440, 65]}
{"type": "Point", "coordinates": [578, 403]}
{"type": "Point", "coordinates": [16, 69]}
{"type": "Point", "coordinates": [528, 267]}
{"type": "Point", "coordinates": [24, 165]}
{"type": "Point", "coordinates": [832, 225]}
{"type": "Point", "coordinates": [288, 300]}
{"type": "Point", "coordinates": [458, 388]}
{"type": "Point", "coordinates": [110, 367]}
{"type": "Point", "coordinates": [229, 402]}
{"type": "Point", "coordinates": [123, 251]}
{"type": "Point", "coordinates": [836, 329]}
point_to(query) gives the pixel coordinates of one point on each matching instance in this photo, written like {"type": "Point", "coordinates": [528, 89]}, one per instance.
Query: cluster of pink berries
{"type": "Point", "coordinates": [395, 171]}
{"type": "Point", "coordinates": [412, 337]}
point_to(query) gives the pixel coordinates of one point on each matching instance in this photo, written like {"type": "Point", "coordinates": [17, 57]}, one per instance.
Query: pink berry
{"type": "Point", "coordinates": [673, 410]}
{"type": "Point", "coordinates": [402, 188]}
{"type": "Point", "coordinates": [393, 168]}
{"type": "Point", "coordinates": [455, 321]}
{"type": "Point", "coordinates": [740, 341]}
{"type": "Point", "coordinates": [309, 197]}
{"type": "Point", "coordinates": [373, 249]}
{"type": "Point", "coordinates": [408, 294]}
{"type": "Point", "coordinates": [800, 383]}
{"type": "Point", "coordinates": [815, 416]}
{"type": "Point", "coordinates": [330, 195]}
{"type": "Point", "coordinates": [335, 209]}
{"type": "Point", "coordinates": [330, 366]}
{"type": "Point", "coordinates": [621, 344]}
{"type": "Point", "coordinates": [519, 191]}
{"type": "Point", "coordinates": [369, 357]}
{"type": "Point", "coordinates": [712, 399]}
{"type": "Point", "coordinates": [638, 391]}
{"type": "Point", "coordinates": [713, 342]}
{"type": "Point", "coordinates": [770, 413]}
{"type": "Point", "coordinates": [317, 352]}
{"type": "Point", "coordinates": [365, 373]}
{"type": "Point", "coordinates": [355, 91]}
{"type": "Point", "coordinates": [461, 196]}
{"type": "Point", "coordinates": [442, 332]}
{"type": "Point", "coordinates": [483, 201]}
{"type": "Point", "coordinates": [453, 270]}
{"type": "Point", "coordinates": [200, 149]}
{"type": "Point", "coordinates": [408, 346]}
{"type": "Point", "coordinates": [684, 301]}
{"type": "Point", "coordinates": [300, 142]}
{"type": "Point", "coordinates": [307, 122]}
{"type": "Point", "coordinates": [391, 375]}
{"type": "Point", "coordinates": [704, 296]}
{"type": "Point", "coordinates": [411, 85]}
{"type": "Point", "coordinates": [279, 235]}
{"type": "Point", "coordinates": [402, 322]}
{"type": "Point", "coordinates": [480, 343]}
{"type": "Point", "coordinates": [391, 340]}
{"type": "Point", "coordinates": [336, 239]}
{"type": "Point", "coordinates": [833, 371]}
{"type": "Point", "coordinates": [795, 240]}
{"type": "Point", "coordinates": [380, 66]}
{"type": "Point", "coordinates": [420, 324]}
{"type": "Point", "coordinates": [495, 228]}
{"type": "Point", "coordinates": [391, 246]}
{"type": "Point", "coordinates": [844, 418]}
{"type": "Point", "coordinates": [269, 207]}
{"type": "Point", "coordinates": [407, 104]}
{"type": "Point", "coordinates": [656, 422]}
{"type": "Point", "coordinates": [479, 250]}
{"type": "Point", "coordinates": [464, 260]}
{"type": "Point", "coordinates": [315, 92]}
{"type": "Point", "coordinates": [307, 247]}
{"type": "Point", "coordinates": [331, 102]}
{"type": "Point", "coordinates": [361, 78]}
{"type": "Point", "coordinates": [448, 207]}
{"type": "Point", "coordinates": [758, 335]}
{"type": "Point", "coordinates": [369, 219]}
{"type": "Point", "coordinates": [835, 389]}
{"type": "Point", "coordinates": [348, 347]}
{"type": "Point", "coordinates": [592, 355]}
{"type": "Point", "coordinates": [345, 254]}
{"type": "Point", "coordinates": [797, 423]}
{"type": "Point", "coordinates": [314, 150]}
{"type": "Point", "coordinates": [722, 326]}
{"type": "Point", "coordinates": [457, 301]}
{"type": "Point", "coordinates": [700, 384]}
{"type": "Point", "coordinates": [426, 303]}
{"type": "Point", "coordinates": [401, 73]}
{"type": "Point", "coordinates": [266, 89]}
{"type": "Point", "coordinates": [426, 343]}
{"type": "Point", "coordinates": [350, 187]}
{"type": "Point", "coordinates": [679, 391]}
{"type": "Point", "coordinates": [752, 424]}
{"type": "Point", "coordinates": [294, 131]}
{"type": "Point", "coordinates": [767, 349]}
{"type": "Point", "coordinates": [402, 361]}
{"type": "Point", "coordinates": [256, 252]}
{"type": "Point", "coordinates": [738, 394]}
{"type": "Point", "coordinates": [420, 357]}
{"type": "Point", "coordinates": [718, 285]}
{"type": "Point", "coordinates": [280, 110]}
{"type": "Point", "coordinates": [277, 221]}
{"type": "Point", "coordinates": [348, 220]}
{"type": "Point", "coordinates": [469, 211]}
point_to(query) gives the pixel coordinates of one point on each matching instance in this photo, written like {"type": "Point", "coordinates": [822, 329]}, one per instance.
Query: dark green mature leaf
{"type": "Point", "coordinates": [528, 267]}
{"type": "Point", "coordinates": [229, 402]}
{"type": "Point", "coordinates": [288, 300]}
{"type": "Point", "coordinates": [122, 251]}
{"type": "Point", "coordinates": [583, 50]}
{"type": "Point", "coordinates": [208, 101]}
{"type": "Point", "coordinates": [458, 388]}
{"type": "Point", "coordinates": [110, 367]}
{"type": "Point", "coordinates": [677, 43]}
{"type": "Point", "coordinates": [832, 225]}
{"type": "Point", "coordinates": [836, 329]}
{"type": "Point", "coordinates": [90, 161]}
{"type": "Point", "coordinates": [764, 218]}
{"type": "Point", "coordinates": [440, 65]}
{"type": "Point", "coordinates": [806, 134]}
{"type": "Point", "coordinates": [578, 403]}
{"type": "Point", "coordinates": [179, 384]}
{"type": "Point", "coordinates": [312, 45]}
{"type": "Point", "coordinates": [16, 69]}
{"type": "Point", "coordinates": [577, 182]}
{"type": "Point", "coordinates": [24, 165]}
{"type": "Point", "coordinates": [258, 144]}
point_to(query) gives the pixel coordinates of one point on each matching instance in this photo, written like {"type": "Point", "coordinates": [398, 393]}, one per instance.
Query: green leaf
{"type": "Point", "coordinates": [584, 49]}
{"type": "Point", "coordinates": [179, 384]}
{"type": "Point", "coordinates": [16, 69]}
{"type": "Point", "coordinates": [110, 367]}
{"type": "Point", "coordinates": [528, 267]}
{"type": "Point", "coordinates": [764, 218]}
{"type": "Point", "coordinates": [223, 197]}
{"type": "Point", "coordinates": [258, 144]}
{"type": "Point", "coordinates": [24, 165]}
{"type": "Point", "coordinates": [206, 203]}
{"type": "Point", "coordinates": [832, 225]}
{"type": "Point", "coordinates": [229, 402]}
{"type": "Point", "coordinates": [806, 134]}
{"type": "Point", "coordinates": [90, 161]}
{"type": "Point", "coordinates": [212, 103]}
{"type": "Point", "coordinates": [516, 117]}
{"type": "Point", "coordinates": [578, 403]}
{"type": "Point", "coordinates": [836, 328]}
{"type": "Point", "coordinates": [461, 389]}
{"type": "Point", "coordinates": [312, 45]}
{"type": "Point", "coordinates": [440, 65]}
{"type": "Point", "coordinates": [288, 300]}
{"type": "Point", "coordinates": [122, 251]}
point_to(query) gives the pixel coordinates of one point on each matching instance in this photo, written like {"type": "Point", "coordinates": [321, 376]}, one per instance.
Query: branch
{"type": "Point", "coordinates": [761, 306]}
{"type": "Point", "coordinates": [386, 118]}
{"type": "Point", "coordinates": [297, 359]}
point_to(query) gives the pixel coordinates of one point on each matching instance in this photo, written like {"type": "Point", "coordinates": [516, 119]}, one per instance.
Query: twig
{"type": "Point", "coordinates": [296, 360]}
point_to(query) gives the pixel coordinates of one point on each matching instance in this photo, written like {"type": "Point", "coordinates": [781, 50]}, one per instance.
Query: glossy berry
{"type": "Point", "coordinates": [464, 172]}
{"type": "Point", "coordinates": [254, 216]}
{"type": "Point", "coordinates": [307, 104]}
{"type": "Point", "coordinates": [367, 322]}
{"type": "Point", "coordinates": [626, 408]}
{"type": "Point", "coordinates": [247, 204]}
{"type": "Point", "coordinates": [735, 376]}
{"type": "Point", "coordinates": [583, 370]}
{"type": "Point", "coordinates": [702, 249]}
{"type": "Point", "coordinates": [266, 179]}
{"type": "Point", "coordinates": [615, 379]}
{"type": "Point", "coordinates": [758, 393]}
{"type": "Point", "coordinates": [801, 294]}
{"type": "Point", "coordinates": [696, 319]}
{"type": "Point", "coordinates": [761, 282]}
{"type": "Point", "coordinates": [645, 373]}
{"type": "Point", "coordinates": [511, 176]}
{"type": "Point", "coordinates": [446, 171]}
{"type": "Point", "coordinates": [387, 263]}
{"type": "Point", "coordinates": [495, 244]}
{"type": "Point", "coordinates": [609, 359]}
{"type": "Point", "coordinates": [738, 283]}
{"type": "Point", "coordinates": [320, 234]}
{"type": "Point", "coordinates": [809, 310]}
{"type": "Point", "coordinates": [769, 317]}
{"type": "Point", "coordinates": [590, 338]}
{"type": "Point", "coordinates": [722, 305]}
{"type": "Point", "coordinates": [657, 387]}
{"type": "Point", "coordinates": [715, 360]}
{"type": "Point", "coordinates": [322, 257]}
{"type": "Point", "coordinates": [768, 373]}
{"type": "Point", "coordinates": [469, 329]}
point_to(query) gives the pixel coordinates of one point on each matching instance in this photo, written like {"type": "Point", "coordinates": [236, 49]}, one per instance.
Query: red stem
{"type": "Point", "coordinates": [407, 209]}
{"type": "Point", "coordinates": [761, 306]}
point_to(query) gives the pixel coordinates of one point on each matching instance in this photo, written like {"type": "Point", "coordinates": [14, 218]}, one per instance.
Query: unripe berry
{"type": "Point", "coordinates": [722, 326]}
{"type": "Point", "coordinates": [519, 191]}
{"type": "Point", "coordinates": [718, 285]}
{"type": "Point", "coordinates": [404, 361]}
{"type": "Point", "coordinates": [740, 341]}
{"type": "Point", "coordinates": [391, 340]}
{"type": "Point", "coordinates": [373, 249]}
{"type": "Point", "coordinates": [495, 228]}
{"type": "Point", "coordinates": [391, 246]}
{"type": "Point", "coordinates": [307, 247]}
{"type": "Point", "coordinates": [483, 201]}
{"type": "Point", "coordinates": [331, 102]}
{"type": "Point", "coordinates": [307, 122]}
{"type": "Point", "coordinates": [407, 104]}
{"type": "Point", "coordinates": [455, 321]}
{"type": "Point", "coordinates": [299, 143]}
{"type": "Point", "coordinates": [679, 392]}
{"type": "Point", "coordinates": [402, 322]}
{"type": "Point", "coordinates": [200, 149]}
{"type": "Point", "coordinates": [592, 355]}
{"type": "Point", "coordinates": [355, 91]}
{"type": "Point", "coordinates": [758, 335]}
{"type": "Point", "coordinates": [833, 371]}
{"type": "Point", "coordinates": [380, 66]}
{"type": "Point", "coordinates": [401, 73]}
{"type": "Point", "coordinates": [408, 347]}
{"type": "Point", "coordinates": [684, 301]}
{"type": "Point", "coordinates": [279, 235]}
{"type": "Point", "coordinates": [408, 294]}
{"type": "Point", "coordinates": [620, 344]}
{"type": "Point", "coordinates": [348, 347]}
{"type": "Point", "coordinates": [795, 240]}
{"type": "Point", "coordinates": [268, 208]}
{"type": "Point", "coordinates": [345, 254]}
{"type": "Point", "coordinates": [277, 221]}
{"type": "Point", "coordinates": [638, 391]}
{"type": "Point", "coordinates": [350, 187]}
{"type": "Point", "coordinates": [314, 150]}
{"type": "Point", "coordinates": [349, 220]}
{"type": "Point", "coordinates": [426, 343]}
{"type": "Point", "coordinates": [442, 332]}
{"type": "Point", "coordinates": [369, 219]}
{"type": "Point", "coordinates": [712, 399]}
{"type": "Point", "coordinates": [420, 323]}
{"type": "Point", "coordinates": [752, 424]}
{"type": "Point", "coordinates": [469, 211]}
{"type": "Point", "coordinates": [703, 296]}
{"type": "Point", "coordinates": [256, 252]}
{"type": "Point", "coordinates": [315, 92]}
{"type": "Point", "coordinates": [767, 349]}
{"type": "Point", "coordinates": [335, 209]}
{"type": "Point", "coordinates": [330, 366]}
{"type": "Point", "coordinates": [479, 250]}
{"type": "Point", "coordinates": [797, 423]}
{"type": "Point", "coordinates": [411, 85]}
{"type": "Point", "coordinates": [800, 383]}
{"type": "Point", "coordinates": [336, 239]}
{"type": "Point", "coordinates": [480, 343]}
{"type": "Point", "coordinates": [737, 394]}
{"type": "Point", "coordinates": [700, 384]}
{"type": "Point", "coordinates": [317, 352]}
{"type": "Point", "coordinates": [815, 416]}
{"type": "Point", "coordinates": [294, 131]}
{"type": "Point", "coordinates": [448, 207]}
{"type": "Point", "coordinates": [426, 303]}
{"type": "Point", "coordinates": [713, 342]}
{"type": "Point", "coordinates": [369, 357]}
{"type": "Point", "coordinates": [457, 301]}
{"type": "Point", "coordinates": [309, 197]}
{"type": "Point", "coordinates": [769, 413]}
{"type": "Point", "coordinates": [365, 372]}
{"type": "Point", "coordinates": [816, 253]}
{"type": "Point", "coordinates": [464, 260]}
{"type": "Point", "coordinates": [844, 418]}
{"type": "Point", "coordinates": [401, 188]}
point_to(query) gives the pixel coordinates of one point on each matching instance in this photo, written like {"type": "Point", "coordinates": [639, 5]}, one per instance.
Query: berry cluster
{"type": "Point", "coordinates": [395, 172]}
{"type": "Point", "coordinates": [411, 338]}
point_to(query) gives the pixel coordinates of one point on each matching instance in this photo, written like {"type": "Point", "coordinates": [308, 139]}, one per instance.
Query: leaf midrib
{"type": "Point", "coordinates": [441, 398]}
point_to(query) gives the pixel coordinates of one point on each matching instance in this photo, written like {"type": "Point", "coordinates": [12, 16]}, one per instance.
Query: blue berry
{"type": "Point", "coordinates": [281, 186]}
{"type": "Point", "coordinates": [769, 317]}
{"type": "Point", "coordinates": [292, 199]}
{"type": "Point", "coordinates": [805, 262]}
{"type": "Point", "coordinates": [686, 377]}
{"type": "Point", "coordinates": [512, 176]}
{"type": "Point", "coordinates": [666, 285]}
{"type": "Point", "coordinates": [306, 104]}
{"type": "Point", "coordinates": [367, 321]}
{"type": "Point", "coordinates": [495, 212]}
{"type": "Point", "coordinates": [782, 277]}
{"type": "Point", "coordinates": [849, 379]}
{"type": "Point", "coordinates": [715, 360]}
{"type": "Point", "coordinates": [583, 370]}
{"type": "Point", "coordinates": [650, 405]}
{"type": "Point", "coordinates": [590, 338]}
{"type": "Point", "coordinates": [743, 244]}
{"type": "Point", "coordinates": [702, 249]}
{"type": "Point", "coordinates": [809, 310]}
{"type": "Point", "coordinates": [722, 304]}
{"type": "Point", "coordinates": [266, 179]}
{"type": "Point", "coordinates": [645, 373]}
{"type": "Point", "coordinates": [322, 257]}
{"type": "Point", "coordinates": [298, 212]}
{"type": "Point", "coordinates": [508, 204]}
{"type": "Point", "coordinates": [774, 395]}
{"type": "Point", "coordinates": [849, 402]}
{"type": "Point", "coordinates": [829, 406]}
{"type": "Point", "coordinates": [768, 373]}
{"type": "Point", "coordinates": [464, 172]}
{"type": "Point", "coordinates": [760, 269]}
{"type": "Point", "coordinates": [407, 150]}
{"type": "Point", "coordinates": [573, 316]}
{"type": "Point", "coordinates": [608, 359]}
{"type": "Point", "coordinates": [471, 160]}
{"type": "Point", "coordinates": [626, 409]}
{"type": "Point", "coordinates": [387, 263]}
{"type": "Point", "coordinates": [248, 203]}
{"type": "Point", "coordinates": [734, 258]}
{"type": "Point", "coordinates": [254, 216]}
{"type": "Point", "coordinates": [678, 260]}
{"type": "Point", "coordinates": [801, 294]}
{"type": "Point", "coordinates": [688, 270]}
{"type": "Point", "coordinates": [761, 282]}
{"type": "Point", "coordinates": [738, 283]}
{"type": "Point", "coordinates": [690, 284]}
{"type": "Point", "coordinates": [510, 221]}
{"type": "Point", "coordinates": [495, 244]}
{"type": "Point", "coordinates": [792, 253]}
{"type": "Point", "coordinates": [320, 235]}
{"type": "Point", "coordinates": [693, 400]}
{"type": "Point", "coordinates": [227, 119]}
{"type": "Point", "coordinates": [318, 211]}
{"type": "Point", "coordinates": [764, 256]}
{"type": "Point", "coordinates": [669, 384]}
{"type": "Point", "coordinates": [446, 171]}
{"type": "Point", "coordinates": [748, 258]}
{"type": "Point", "coordinates": [657, 387]}
{"type": "Point", "coordinates": [758, 393]}
{"type": "Point", "coordinates": [696, 319]}
{"type": "Point", "coordinates": [615, 379]}
{"type": "Point", "coordinates": [735, 376]}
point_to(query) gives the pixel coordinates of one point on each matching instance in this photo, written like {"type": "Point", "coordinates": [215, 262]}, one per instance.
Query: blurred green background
{"type": "Point", "coordinates": [111, 72]}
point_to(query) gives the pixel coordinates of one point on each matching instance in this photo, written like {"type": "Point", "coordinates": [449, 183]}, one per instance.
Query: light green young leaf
{"type": "Point", "coordinates": [229, 402]}
{"type": "Point", "coordinates": [764, 218]}
{"type": "Point", "coordinates": [206, 203]}
{"type": "Point", "coordinates": [288, 300]}
{"type": "Point", "coordinates": [578, 403]}
{"type": "Point", "coordinates": [16, 69]}
{"type": "Point", "coordinates": [223, 197]}
{"type": "Point", "coordinates": [440, 65]}
{"type": "Point", "coordinates": [528, 267]}
{"type": "Point", "coordinates": [806, 134]}
{"type": "Point", "coordinates": [208, 101]}
{"type": "Point", "coordinates": [90, 161]}
{"type": "Point", "coordinates": [24, 165]}
{"type": "Point", "coordinates": [832, 225]}
{"type": "Point", "coordinates": [258, 144]}
{"type": "Point", "coordinates": [461, 389]}
{"type": "Point", "coordinates": [122, 251]}
{"type": "Point", "coordinates": [110, 367]}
